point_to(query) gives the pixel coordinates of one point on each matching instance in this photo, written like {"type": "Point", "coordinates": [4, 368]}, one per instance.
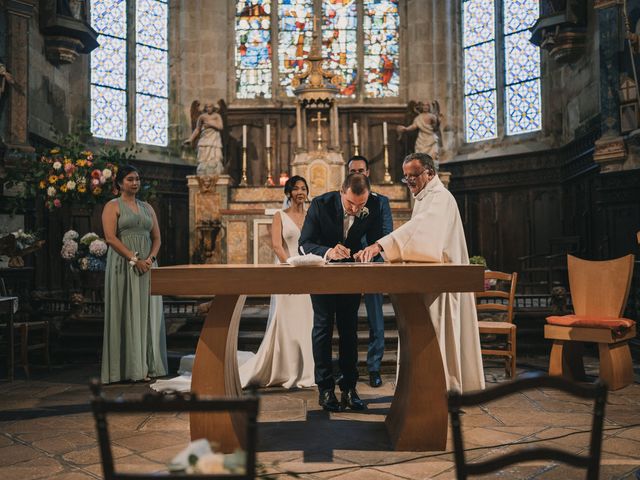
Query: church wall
{"type": "Point", "coordinates": [58, 95]}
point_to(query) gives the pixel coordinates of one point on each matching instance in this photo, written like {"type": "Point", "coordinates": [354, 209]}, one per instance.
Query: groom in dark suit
{"type": "Point", "coordinates": [334, 228]}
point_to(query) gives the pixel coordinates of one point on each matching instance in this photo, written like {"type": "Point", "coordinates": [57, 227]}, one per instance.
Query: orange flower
{"type": "Point", "coordinates": [42, 184]}
{"type": "Point", "coordinates": [97, 191]}
{"type": "Point", "coordinates": [82, 188]}
{"type": "Point", "coordinates": [63, 187]}
{"type": "Point", "coordinates": [53, 179]}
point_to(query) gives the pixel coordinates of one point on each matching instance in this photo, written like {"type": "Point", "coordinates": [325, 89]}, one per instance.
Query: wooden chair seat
{"type": "Point", "coordinates": [619, 325]}
{"type": "Point", "coordinates": [496, 327]}
{"type": "Point", "coordinates": [599, 291]}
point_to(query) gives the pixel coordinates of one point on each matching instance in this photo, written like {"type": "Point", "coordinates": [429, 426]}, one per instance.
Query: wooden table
{"type": "Point", "coordinates": [417, 419]}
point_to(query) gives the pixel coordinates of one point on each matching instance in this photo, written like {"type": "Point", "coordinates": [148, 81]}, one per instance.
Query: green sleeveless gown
{"type": "Point", "coordinates": [134, 344]}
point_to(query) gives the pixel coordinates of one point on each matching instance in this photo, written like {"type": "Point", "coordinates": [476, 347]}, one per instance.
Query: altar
{"type": "Point", "coordinates": [417, 420]}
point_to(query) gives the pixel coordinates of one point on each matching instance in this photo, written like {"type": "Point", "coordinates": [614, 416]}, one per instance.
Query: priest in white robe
{"type": "Point", "coordinates": [435, 234]}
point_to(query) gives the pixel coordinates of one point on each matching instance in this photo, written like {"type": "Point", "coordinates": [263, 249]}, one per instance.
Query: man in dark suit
{"type": "Point", "coordinates": [334, 227]}
{"type": "Point", "coordinates": [373, 301]}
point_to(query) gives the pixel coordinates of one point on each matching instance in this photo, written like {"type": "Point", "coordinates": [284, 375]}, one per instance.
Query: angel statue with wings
{"type": "Point", "coordinates": [207, 127]}
{"type": "Point", "coordinates": [427, 122]}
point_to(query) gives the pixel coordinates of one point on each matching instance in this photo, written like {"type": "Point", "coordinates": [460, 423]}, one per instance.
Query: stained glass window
{"type": "Point", "coordinates": [152, 72]}
{"type": "Point", "coordinates": [109, 70]}
{"type": "Point", "coordinates": [253, 48]}
{"type": "Point", "coordinates": [521, 87]}
{"type": "Point", "coordinates": [375, 53]}
{"type": "Point", "coordinates": [381, 43]}
{"type": "Point", "coordinates": [522, 67]}
{"type": "Point", "coordinates": [478, 41]}
{"type": "Point", "coordinates": [109, 94]}
{"type": "Point", "coordinates": [340, 41]}
{"type": "Point", "coordinates": [295, 22]}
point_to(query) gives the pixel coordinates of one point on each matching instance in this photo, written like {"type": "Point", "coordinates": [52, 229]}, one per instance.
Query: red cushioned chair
{"type": "Point", "coordinates": [599, 291]}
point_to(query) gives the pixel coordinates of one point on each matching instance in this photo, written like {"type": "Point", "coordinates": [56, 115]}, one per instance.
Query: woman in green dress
{"type": "Point", "coordinates": [134, 344]}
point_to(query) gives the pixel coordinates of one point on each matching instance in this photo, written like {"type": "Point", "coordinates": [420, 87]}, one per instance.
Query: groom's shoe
{"type": "Point", "coordinates": [374, 379]}
{"type": "Point", "coordinates": [329, 401]}
{"type": "Point", "coordinates": [351, 399]}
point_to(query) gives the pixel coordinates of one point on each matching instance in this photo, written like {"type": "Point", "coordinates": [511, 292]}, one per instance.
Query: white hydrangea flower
{"type": "Point", "coordinates": [57, 165]}
{"type": "Point", "coordinates": [69, 249]}
{"type": "Point", "coordinates": [51, 191]}
{"type": "Point", "coordinates": [71, 185]}
{"type": "Point", "coordinates": [106, 173]}
{"type": "Point", "coordinates": [70, 235]}
{"type": "Point", "coordinates": [98, 248]}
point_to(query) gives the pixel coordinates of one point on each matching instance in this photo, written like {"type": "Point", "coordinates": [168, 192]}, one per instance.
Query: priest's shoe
{"type": "Point", "coordinates": [329, 401]}
{"type": "Point", "coordinates": [374, 379]}
{"type": "Point", "coordinates": [351, 399]}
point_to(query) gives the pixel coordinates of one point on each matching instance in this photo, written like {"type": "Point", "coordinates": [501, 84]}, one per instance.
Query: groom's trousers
{"type": "Point", "coordinates": [344, 309]}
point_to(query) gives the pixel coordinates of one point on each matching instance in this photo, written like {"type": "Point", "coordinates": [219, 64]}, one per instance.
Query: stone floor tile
{"type": "Point", "coordinates": [5, 441]}
{"type": "Point", "coordinates": [317, 469]}
{"type": "Point", "coordinates": [489, 437]}
{"type": "Point", "coordinates": [90, 456]}
{"type": "Point", "coordinates": [74, 475]}
{"type": "Point", "coordinates": [282, 416]}
{"type": "Point", "coordinates": [143, 442]}
{"type": "Point", "coordinates": [366, 473]}
{"type": "Point", "coordinates": [33, 469]}
{"type": "Point", "coordinates": [16, 453]}
{"type": "Point", "coordinates": [622, 446]}
{"type": "Point", "coordinates": [632, 433]}
{"type": "Point", "coordinates": [418, 469]}
{"type": "Point", "coordinates": [166, 423]}
{"type": "Point", "coordinates": [65, 443]}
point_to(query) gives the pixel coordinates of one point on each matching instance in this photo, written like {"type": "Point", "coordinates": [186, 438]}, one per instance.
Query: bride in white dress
{"type": "Point", "coordinates": [285, 356]}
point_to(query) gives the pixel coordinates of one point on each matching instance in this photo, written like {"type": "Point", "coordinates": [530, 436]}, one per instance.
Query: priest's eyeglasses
{"type": "Point", "coordinates": [411, 179]}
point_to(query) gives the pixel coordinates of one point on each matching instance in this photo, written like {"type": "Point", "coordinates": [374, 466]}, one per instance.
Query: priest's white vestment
{"type": "Point", "coordinates": [435, 234]}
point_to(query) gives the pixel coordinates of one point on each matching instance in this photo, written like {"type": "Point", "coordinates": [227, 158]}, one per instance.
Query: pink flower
{"type": "Point", "coordinates": [57, 203]}
{"type": "Point", "coordinates": [95, 181]}
{"type": "Point", "coordinates": [96, 173]}
{"type": "Point", "coordinates": [69, 167]}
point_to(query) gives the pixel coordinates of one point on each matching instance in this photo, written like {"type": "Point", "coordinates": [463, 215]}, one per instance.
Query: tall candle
{"type": "Point", "coordinates": [244, 136]}
{"type": "Point", "coordinates": [355, 133]}
{"type": "Point", "coordinates": [268, 143]}
{"type": "Point", "coordinates": [384, 133]}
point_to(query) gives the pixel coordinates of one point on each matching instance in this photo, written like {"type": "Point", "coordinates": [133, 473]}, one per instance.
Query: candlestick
{"type": "Point", "coordinates": [384, 133]}
{"type": "Point", "coordinates": [355, 134]}
{"type": "Point", "coordinates": [269, 182]}
{"type": "Point", "coordinates": [387, 177]}
{"type": "Point", "coordinates": [268, 142]}
{"type": "Point", "coordinates": [244, 136]}
{"type": "Point", "coordinates": [243, 180]}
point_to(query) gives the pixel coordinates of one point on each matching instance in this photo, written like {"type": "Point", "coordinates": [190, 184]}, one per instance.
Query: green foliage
{"type": "Point", "coordinates": [478, 260]}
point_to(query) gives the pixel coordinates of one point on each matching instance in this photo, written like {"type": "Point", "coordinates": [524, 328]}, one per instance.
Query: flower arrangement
{"type": "Point", "coordinates": [86, 253]}
{"type": "Point", "coordinates": [201, 459]}
{"type": "Point", "coordinates": [18, 244]}
{"type": "Point", "coordinates": [70, 172]}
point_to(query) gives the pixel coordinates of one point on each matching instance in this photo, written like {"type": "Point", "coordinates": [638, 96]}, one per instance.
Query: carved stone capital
{"type": "Point", "coordinates": [600, 4]}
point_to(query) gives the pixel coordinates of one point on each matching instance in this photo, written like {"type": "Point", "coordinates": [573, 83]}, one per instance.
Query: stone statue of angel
{"type": "Point", "coordinates": [207, 127]}
{"type": "Point", "coordinates": [427, 122]}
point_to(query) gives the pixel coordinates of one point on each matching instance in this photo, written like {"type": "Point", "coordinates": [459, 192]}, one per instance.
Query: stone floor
{"type": "Point", "coordinates": [47, 431]}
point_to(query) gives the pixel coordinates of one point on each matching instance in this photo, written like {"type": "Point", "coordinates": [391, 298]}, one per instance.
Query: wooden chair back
{"type": "Point", "coordinates": [591, 462]}
{"type": "Point", "coordinates": [174, 402]}
{"type": "Point", "coordinates": [600, 288]}
{"type": "Point", "coordinates": [509, 296]}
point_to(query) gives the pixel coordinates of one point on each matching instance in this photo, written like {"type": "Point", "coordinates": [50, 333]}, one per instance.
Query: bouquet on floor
{"type": "Point", "coordinates": [200, 459]}
{"type": "Point", "coordinates": [86, 253]}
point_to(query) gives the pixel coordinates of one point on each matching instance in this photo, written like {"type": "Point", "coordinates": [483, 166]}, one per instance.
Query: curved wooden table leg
{"type": "Point", "coordinates": [215, 372]}
{"type": "Point", "coordinates": [417, 420]}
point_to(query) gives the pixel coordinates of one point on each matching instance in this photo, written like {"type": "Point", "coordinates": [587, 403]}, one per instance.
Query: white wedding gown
{"type": "Point", "coordinates": [285, 356]}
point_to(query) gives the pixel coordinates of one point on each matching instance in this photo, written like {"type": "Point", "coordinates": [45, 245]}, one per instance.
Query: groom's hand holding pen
{"type": "Point", "coordinates": [339, 252]}
{"type": "Point", "coordinates": [368, 254]}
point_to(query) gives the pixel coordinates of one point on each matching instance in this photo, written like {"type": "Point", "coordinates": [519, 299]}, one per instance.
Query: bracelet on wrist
{"type": "Point", "coordinates": [153, 258]}
{"type": "Point", "coordinates": [134, 259]}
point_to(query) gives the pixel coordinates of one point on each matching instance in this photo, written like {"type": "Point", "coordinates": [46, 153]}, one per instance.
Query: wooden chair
{"type": "Point", "coordinates": [173, 402]}
{"type": "Point", "coordinates": [599, 291]}
{"type": "Point", "coordinates": [499, 301]}
{"type": "Point", "coordinates": [24, 328]}
{"type": "Point", "coordinates": [591, 462]}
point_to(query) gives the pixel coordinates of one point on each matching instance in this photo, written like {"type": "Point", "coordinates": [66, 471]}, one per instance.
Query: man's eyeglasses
{"type": "Point", "coordinates": [410, 179]}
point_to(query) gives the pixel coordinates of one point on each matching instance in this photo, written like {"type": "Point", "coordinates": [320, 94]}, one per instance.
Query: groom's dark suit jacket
{"type": "Point", "coordinates": [323, 226]}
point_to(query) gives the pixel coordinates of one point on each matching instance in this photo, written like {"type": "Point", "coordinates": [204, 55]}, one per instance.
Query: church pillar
{"type": "Point", "coordinates": [19, 13]}
{"type": "Point", "coordinates": [610, 148]}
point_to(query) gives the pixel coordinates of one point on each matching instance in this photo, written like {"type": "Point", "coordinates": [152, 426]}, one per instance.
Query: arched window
{"type": "Point", "coordinates": [116, 101]}
{"type": "Point", "coordinates": [501, 68]}
{"type": "Point", "coordinates": [282, 30]}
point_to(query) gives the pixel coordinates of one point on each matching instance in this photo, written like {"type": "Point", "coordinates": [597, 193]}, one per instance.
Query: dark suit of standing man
{"type": "Point", "coordinates": [373, 301]}
{"type": "Point", "coordinates": [334, 227]}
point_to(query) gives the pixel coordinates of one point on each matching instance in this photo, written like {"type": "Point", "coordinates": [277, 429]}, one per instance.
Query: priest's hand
{"type": "Point", "coordinates": [339, 252]}
{"type": "Point", "coordinates": [368, 253]}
